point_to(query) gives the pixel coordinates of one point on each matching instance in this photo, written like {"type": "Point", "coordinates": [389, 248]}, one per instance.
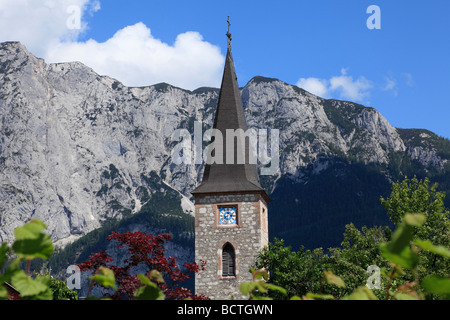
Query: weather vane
{"type": "Point", "coordinates": [228, 33]}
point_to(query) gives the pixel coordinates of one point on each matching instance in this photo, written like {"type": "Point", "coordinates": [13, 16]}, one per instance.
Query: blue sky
{"type": "Point", "coordinates": [402, 69]}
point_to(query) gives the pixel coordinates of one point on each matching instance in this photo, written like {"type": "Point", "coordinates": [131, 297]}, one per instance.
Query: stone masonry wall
{"type": "Point", "coordinates": [247, 237]}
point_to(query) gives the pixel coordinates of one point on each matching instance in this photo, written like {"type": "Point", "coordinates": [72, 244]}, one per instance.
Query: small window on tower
{"type": "Point", "coordinates": [228, 260]}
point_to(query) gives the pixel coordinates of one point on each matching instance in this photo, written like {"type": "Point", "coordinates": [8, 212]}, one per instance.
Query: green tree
{"type": "Point", "coordinates": [298, 272]}
{"type": "Point", "coordinates": [417, 196]}
{"type": "Point", "coordinates": [302, 272]}
{"type": "Point", "coordinates": [359, 250]}
{"type": "Point", "coordinates": [61, 291]}
{"type": "Point", "coordinates": [402, 252]}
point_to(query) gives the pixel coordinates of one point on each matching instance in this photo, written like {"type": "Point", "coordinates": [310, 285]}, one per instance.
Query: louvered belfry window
{"type": "Point", "coordinates": [228, 260]}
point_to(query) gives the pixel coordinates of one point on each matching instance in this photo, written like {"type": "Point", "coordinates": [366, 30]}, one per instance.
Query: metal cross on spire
{"type": "Point", "coordinates": [228, 33]}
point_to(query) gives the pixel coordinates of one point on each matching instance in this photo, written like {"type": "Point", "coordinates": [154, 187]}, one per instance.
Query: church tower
{"type": "Point", "coordinates": [231, 223]}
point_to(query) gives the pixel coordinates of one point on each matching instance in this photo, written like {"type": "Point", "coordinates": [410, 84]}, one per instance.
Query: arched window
{"type": "Point", "coordinates": [228, 260]}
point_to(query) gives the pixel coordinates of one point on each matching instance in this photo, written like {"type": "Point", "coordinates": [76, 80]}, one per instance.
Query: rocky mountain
{"type": "Point", "coordinates": [78, 149]}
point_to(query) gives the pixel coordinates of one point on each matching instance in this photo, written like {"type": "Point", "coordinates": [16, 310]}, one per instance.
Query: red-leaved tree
{"type": "Point", "coordinates": [144, 250]}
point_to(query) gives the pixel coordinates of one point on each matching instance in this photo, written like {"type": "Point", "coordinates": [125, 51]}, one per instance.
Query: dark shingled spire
{"type": "Point", "coordinates": [230, 177]}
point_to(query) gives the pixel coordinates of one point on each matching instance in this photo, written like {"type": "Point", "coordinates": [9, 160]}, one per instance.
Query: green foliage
{"type": "Point", "coordinates": [331, 278]}
{"type": "Point", "coordinates": [418, 196]}
{"type": "Point", "coordinates": [413, 260]}
{"type": "Point", "coordinates": [359, 250]}
{"type": "Point", "coordinates": [105, 277]}
{"type": "Point", "coordinates": [149, 290]}
{"type": "Point", "coordinates": [259, 285]}
{"type": "Point", "coordinates": [302, 271]}
{"type": "Point", "coordinates": [4, 250]}
{"type": "Point", "coordinates": [31, 243]}
{"type": "Point", "coordinates": [413, 196]}
{"type": "Point", "coordinates": [437, 285]}
{"type": "Point", "coordinates": [398, 250]}
{"type": "Point", "coordinates": [61, 291]}
{"type": "Point", "coordinates": [427, 245]}
{"type": "Point", "coordinates": [401, 252]}
{"type": "Point", "coordinates": [29, 288]}
{"type": "Point", "coordinates": [298, 272]}
{"type": "Point", "coordinates": [361, 293]}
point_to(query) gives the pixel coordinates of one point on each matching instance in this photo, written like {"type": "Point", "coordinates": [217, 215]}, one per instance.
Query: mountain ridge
{"type": "Point", "coordinates": [78, 148]}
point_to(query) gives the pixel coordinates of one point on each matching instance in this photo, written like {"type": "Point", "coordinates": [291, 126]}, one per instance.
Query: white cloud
{"type": "Point", "coordinates": [133, 55]}
{"type": "Point", "coordinates": [136, 58]}
{"type": "Point", "coordinates": [314, 85]}
{"type": "Point", "coordinates": [342, 86]}
{"type": "Point", "coordinates": [390, 85]}
{"type": "Point", "coordinates": [39, 24]}
{"type": "Point", "coordinates": [355, 90]}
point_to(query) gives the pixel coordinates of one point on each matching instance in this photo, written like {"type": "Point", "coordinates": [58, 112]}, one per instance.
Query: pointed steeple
{"type": "Point", "coordinates": [230, 177]}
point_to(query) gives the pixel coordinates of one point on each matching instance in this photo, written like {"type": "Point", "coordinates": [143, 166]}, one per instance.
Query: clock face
{"type": "Point", "coordinates": [227, 215]}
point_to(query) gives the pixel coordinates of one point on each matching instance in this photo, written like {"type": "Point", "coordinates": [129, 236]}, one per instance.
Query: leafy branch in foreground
{"type": "Point", "coordinates": [403, 251]}
{"type": "Point", "coordinates": [31, 243]}
{"type": "Point", "coordinates": [259, 285]}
